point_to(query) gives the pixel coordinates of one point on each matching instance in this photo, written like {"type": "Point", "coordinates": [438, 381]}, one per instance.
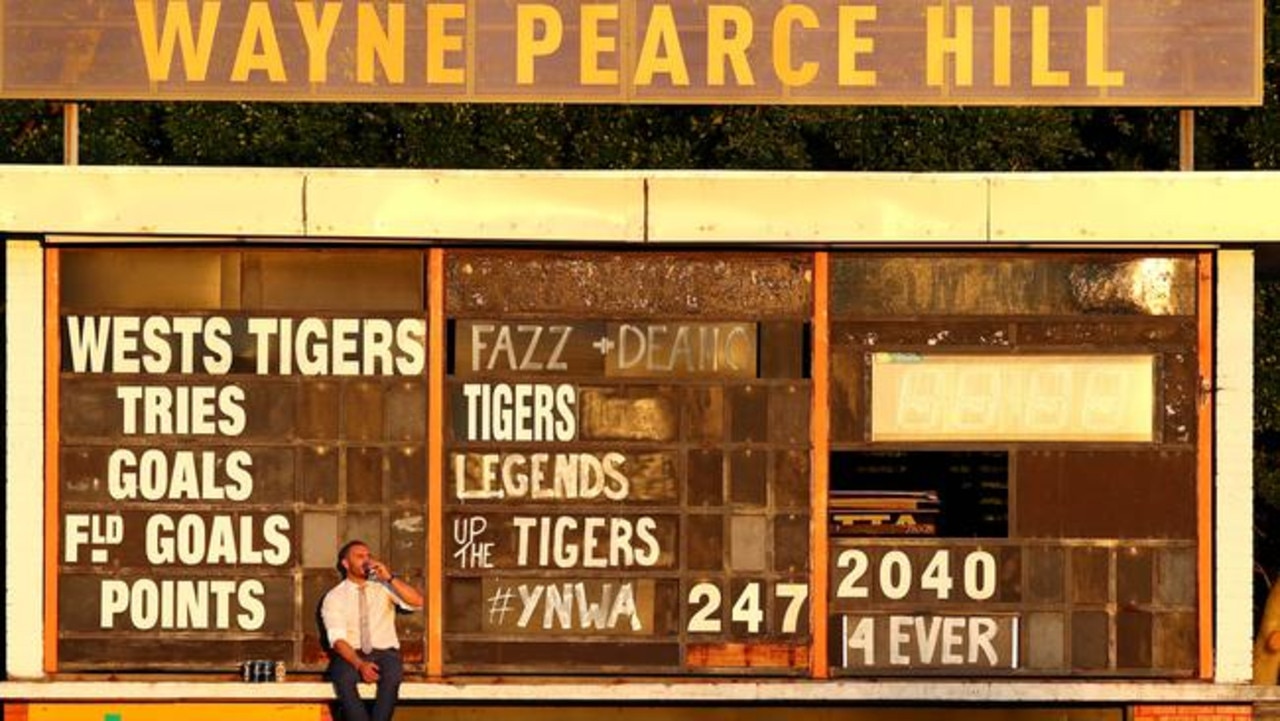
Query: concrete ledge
{"type": "Point", "coordinates": [288, 205]}
{"type": "Point", "coordinates": [691, 691]}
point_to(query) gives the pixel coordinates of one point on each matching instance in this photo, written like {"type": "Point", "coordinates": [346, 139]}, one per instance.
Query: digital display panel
{"type": "Point", "coordinates": [921, 397]}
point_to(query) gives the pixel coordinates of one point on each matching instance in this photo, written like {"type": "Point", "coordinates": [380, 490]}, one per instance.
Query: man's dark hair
{"type": "Point", "coordinates": [346, 549]}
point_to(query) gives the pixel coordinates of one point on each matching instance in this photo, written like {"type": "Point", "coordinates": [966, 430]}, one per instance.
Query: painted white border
{"type": "Point", "coordinates": [24, 459]}
{"type": "Point", "coordinates": [1233, 476]}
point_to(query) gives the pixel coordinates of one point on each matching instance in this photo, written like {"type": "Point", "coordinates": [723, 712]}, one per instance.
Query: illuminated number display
{"type": "Point", "coordinates": [917, 397]}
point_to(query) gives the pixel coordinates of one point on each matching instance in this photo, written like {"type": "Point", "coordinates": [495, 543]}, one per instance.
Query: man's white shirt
{"type": "Point", "coordinates": [341, 614]}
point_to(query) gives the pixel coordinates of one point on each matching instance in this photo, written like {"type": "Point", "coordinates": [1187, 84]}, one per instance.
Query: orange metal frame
{"type": "Point", "coordinates": [435, 461]}
{"type": "Point", "coordinates": [820, 431]}
{"type": "Point", "coordinates": [819, 436]}
{"type": "Point", "coordinates": [52, 368]}
{"type": "Point", "coordinates": [1204, 460]}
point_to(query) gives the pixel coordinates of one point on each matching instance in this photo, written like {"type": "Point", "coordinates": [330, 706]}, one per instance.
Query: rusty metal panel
{"type": "Point", "coordinates": [1091, 575]}
{"type": "Point", "coordinates": [1158, 332]}
{"type": "Point", "coordinates": [704, 480]}
{"type": "Point", "coordinates": [704, 414]}
{"type": "Point", "coordinates": [1133, 639]}
{"type": "Point", "coordinates": [679, 379]}
{"type": "Point", "coordinates": [1090, 639]}
{"type": "Point", "coordinates": [1045, 568]}
{"type": "Point", "coordinates": [748, 477]}
{"type": "Point", "coordinates": [1106, 494]}
{"type": "Point", "coordinates": [871, 286]}
{"type": "Point", "coordinates": [1176, 642]}
{"type": "Point", "coordinates": [640, 285]}
{"type": "Point", "coordinates": [705, 542]}
{"type": "Point", "coordinates": [749, 417]}
{"type": "Point", "coordinates": [790, 481]}
{"type": "Point", "coordinates": [789, 414]}
{"type": "Point", "coordinates": [1044, 636]}
{"type": "Point", "coordinates": [784, 349]}
{"type": "Point", "coordinates": [1134, 568]}
{"type": "Point", "coordinates": [630, 414]}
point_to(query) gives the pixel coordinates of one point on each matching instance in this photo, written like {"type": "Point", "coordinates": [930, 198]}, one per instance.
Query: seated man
{"type": "Point", "coordinates": [359, 620]}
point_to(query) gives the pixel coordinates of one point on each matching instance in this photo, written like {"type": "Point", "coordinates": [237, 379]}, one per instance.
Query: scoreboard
{"type": "Point", "coordinates": [645, 463]}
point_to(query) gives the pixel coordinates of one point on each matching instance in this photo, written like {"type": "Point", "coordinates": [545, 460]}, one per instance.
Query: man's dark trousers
{"type": "Point", "coordinates": [345, 677]}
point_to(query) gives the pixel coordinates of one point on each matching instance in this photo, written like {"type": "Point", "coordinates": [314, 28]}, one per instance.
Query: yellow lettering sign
{"type": "Point", "coordinates": [725, 48]}
{"type": "Point", "coordinates": [529, 43]}
{"type": "Point", "coordinates": [1002, 46]}
{"type": "Point", "coordinates": [440, 43]}
{"type": "Point", "coordinates": [661, 52]}
{"type": "Point", "coordinates": [790, 15]}
{"type": "Point", "coordinates": [1097, 75]}
{"type": "Point", "coordinates": [594, 44]}
{"type": "Point", "coordinates": [259, 30]}
{"type": "Point", "coordinates": [939, 44]}
{"type": "Point", "coordinates": [851, 46]}
{"type": "Point", "coordinates": [385, 43]}
{"type": "Point", "coordinates": [157, 47]}
{"type": "Point", "coordinates": [1042, 75]}
{"type": "Point", "coordinates": [318, 34]}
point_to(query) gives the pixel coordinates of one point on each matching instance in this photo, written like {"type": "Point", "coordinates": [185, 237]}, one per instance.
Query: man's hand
{"type": "Point", "coordinates": [368, 671]}
{"type": "Point", "coordinates": [380, 571]}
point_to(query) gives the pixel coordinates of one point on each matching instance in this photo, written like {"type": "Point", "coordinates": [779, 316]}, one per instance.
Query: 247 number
{"type": "Point", "coordinates": [747, 609]}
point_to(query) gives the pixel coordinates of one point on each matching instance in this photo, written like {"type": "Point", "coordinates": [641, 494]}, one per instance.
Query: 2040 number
{"type": "Point", "coordinates": [747, 609]}
{"type": "Point", "coordinates": [894, 577]}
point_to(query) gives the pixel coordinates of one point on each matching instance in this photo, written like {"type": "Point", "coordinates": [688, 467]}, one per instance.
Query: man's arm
{"type": "Point", "coordinates": [335, 627]}
{"type": "Point", "coordinates": [407, 594]}
{"type": "Point", "coordinates": [368, 670]}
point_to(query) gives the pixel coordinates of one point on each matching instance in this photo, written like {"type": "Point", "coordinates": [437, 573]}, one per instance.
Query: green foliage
{"type": "Point", "coordinates": [1266, 459]}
